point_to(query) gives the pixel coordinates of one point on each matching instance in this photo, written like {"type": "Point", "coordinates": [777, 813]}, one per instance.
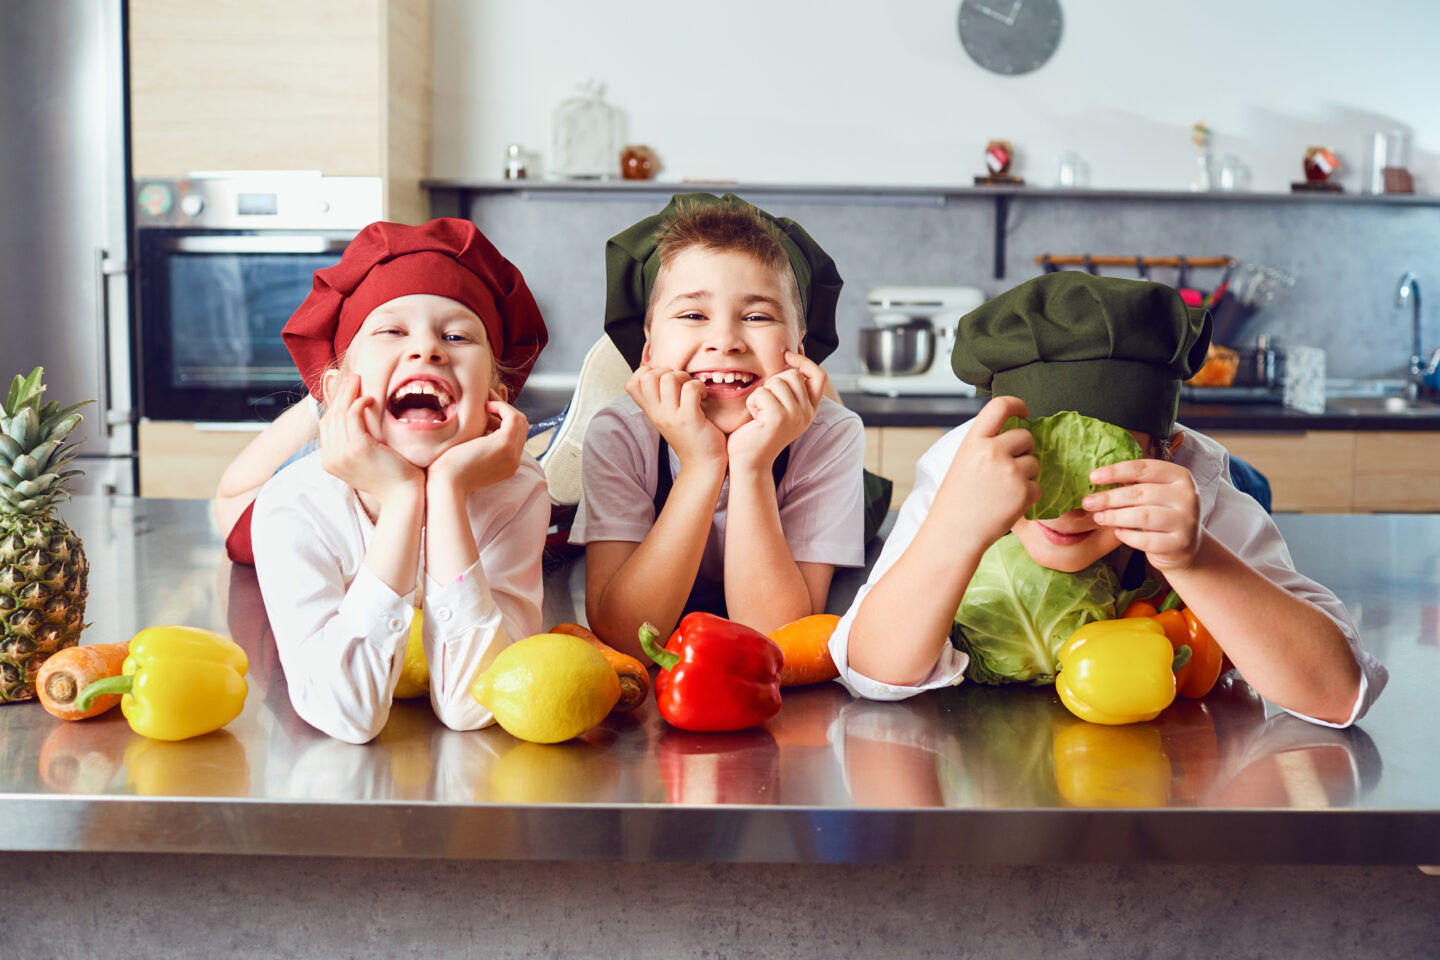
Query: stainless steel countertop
{"type": "Point", "coordinates": [969, 774]}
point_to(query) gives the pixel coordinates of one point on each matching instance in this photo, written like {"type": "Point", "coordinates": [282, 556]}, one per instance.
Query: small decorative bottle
{"type": "Point", "coordinates": [514, 162]}
{"type": "Point", "coordinates": [1200, 179]}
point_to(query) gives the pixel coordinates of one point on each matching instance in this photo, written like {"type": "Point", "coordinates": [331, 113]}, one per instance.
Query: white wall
{"type": "Point", "coordinates": [871, 92]}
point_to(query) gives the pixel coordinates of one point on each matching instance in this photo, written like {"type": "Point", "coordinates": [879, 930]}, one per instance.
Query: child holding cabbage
{"type": "Point", "coordinates": [1116, 352]}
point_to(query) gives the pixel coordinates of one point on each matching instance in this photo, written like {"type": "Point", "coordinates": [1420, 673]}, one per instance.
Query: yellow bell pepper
{"type": "Point", "coordinates": [177, 682]}
{"type": "Point", "coordinates": [415, 671]}
{"type": "Point", "coordinates": [1116, 671]}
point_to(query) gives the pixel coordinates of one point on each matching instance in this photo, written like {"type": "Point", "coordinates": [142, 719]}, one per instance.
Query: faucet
{"type": "Point", "coordinates": [1409, 292]}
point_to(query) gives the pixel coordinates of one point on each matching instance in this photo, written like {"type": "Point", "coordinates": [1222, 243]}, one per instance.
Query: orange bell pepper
{"type": "Point", "coordinates": [1198, 673]}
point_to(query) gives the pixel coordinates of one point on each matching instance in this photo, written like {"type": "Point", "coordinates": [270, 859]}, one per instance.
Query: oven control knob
{"type": "Point", "coordinates": [191, 204]}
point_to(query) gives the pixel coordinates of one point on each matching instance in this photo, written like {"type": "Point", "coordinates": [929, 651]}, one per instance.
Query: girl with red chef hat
{"type": "Point", "coordinates": [421, 498]}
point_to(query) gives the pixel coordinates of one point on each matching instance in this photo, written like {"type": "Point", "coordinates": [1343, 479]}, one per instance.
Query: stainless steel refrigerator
{"type": "Point", "coordinates": [64, 219]}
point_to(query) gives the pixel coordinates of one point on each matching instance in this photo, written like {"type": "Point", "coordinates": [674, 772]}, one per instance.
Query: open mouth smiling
{"type": "Point", "coordinates": [421, 403]}
{"type": "Point", "coordinates": [726, 383]}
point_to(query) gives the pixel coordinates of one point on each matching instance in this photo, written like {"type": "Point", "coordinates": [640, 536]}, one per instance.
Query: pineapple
{"type": "Point", "coordinates": [43, 569]}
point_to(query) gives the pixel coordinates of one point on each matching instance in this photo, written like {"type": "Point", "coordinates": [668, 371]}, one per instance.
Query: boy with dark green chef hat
{"type": "Point", "coordinates": [725, 480]}
{"type": "Point", "coordinates": [1117, 351]}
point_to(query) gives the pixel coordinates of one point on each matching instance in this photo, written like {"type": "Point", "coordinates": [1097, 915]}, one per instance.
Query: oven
{"type": "Point", "coordinates": [221, 263]}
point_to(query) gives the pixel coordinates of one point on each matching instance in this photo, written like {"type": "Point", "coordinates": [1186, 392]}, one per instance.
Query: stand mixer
{"type": "Point", "coordinates": [907, 352]}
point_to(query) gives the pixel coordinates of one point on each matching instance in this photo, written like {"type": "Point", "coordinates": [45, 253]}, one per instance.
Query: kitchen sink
{"type": "Point", "coordinates": [1382, 406]}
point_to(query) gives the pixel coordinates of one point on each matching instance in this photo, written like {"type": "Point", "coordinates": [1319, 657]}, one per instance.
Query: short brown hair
{"type": "Point", "coordinates": [726, 228]}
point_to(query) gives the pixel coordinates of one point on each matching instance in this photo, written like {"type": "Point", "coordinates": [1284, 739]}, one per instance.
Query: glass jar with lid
{"type": "Point", "coordinates": [585, 135]}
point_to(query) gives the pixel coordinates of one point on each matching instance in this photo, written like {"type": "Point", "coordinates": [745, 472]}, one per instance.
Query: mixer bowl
{"type": "Point", "coordinates": [897, 351]}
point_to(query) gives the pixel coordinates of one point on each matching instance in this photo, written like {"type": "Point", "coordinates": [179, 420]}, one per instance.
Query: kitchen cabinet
{"type": "Point", "coordinates": [893, 452]}
{"type": "Point", "coordinates": [327, 85]}
{"type": "Point", "coordinates": [185, 460]}
{"type": "Point", "coordinates": [1397, 472]}
{"type": "Point", "coordinates": [1340, 471]}
{"type": "Point", "coordinates": [1310, 472]}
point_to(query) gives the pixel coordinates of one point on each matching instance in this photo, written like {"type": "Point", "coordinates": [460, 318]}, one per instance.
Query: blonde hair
{"type": "Point", "coordinates": [726, 228]}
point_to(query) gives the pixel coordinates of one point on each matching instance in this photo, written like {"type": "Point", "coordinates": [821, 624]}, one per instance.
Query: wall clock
{"type": "Point", "coordinates": [1010, 37]}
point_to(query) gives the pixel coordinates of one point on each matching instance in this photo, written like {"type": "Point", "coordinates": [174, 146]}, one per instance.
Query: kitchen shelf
{"type": "Point", "coordinates": [900, 193]}
{"type": "Point", "coordinates": [452, 196]}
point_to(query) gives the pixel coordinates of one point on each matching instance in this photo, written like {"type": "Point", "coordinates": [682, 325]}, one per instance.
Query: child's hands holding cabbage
{"type": "Point", "coordinates": [1155, 509]}
{"type": "Point", "coordinates": [992, 480]}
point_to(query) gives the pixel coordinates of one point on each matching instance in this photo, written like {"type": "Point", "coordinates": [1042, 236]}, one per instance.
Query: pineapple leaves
{"type": "Point", "coordinates": [33, 447]}
{"type": "Point", "coordinates": [24, 428]}
{"type": "Point", "coordinates": [59, 425]}
{"type": "Point", "coordinates": [23, 391]}
{"type": "Point", "coordinates": [26, 466]}
{"type": "Point", "coordinates": [36, 487]}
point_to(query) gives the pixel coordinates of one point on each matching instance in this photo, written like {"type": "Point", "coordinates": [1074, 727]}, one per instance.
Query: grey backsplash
{"type": "Point", "coordinates": [1346, 257]}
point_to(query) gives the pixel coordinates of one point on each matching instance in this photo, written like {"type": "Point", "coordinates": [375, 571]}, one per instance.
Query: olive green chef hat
{"type": "Point", "coordinates": [632, 262]}
{"type": "Point", "coordinates": [1113, 349]}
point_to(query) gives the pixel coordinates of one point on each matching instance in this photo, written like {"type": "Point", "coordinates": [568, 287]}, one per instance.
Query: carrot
{"type": "Point", "coordinates": [806, 645]}
{"type": "Point", "coordinates": [62, 677]}
{"type": "Point", "coordinates": [634, 678]}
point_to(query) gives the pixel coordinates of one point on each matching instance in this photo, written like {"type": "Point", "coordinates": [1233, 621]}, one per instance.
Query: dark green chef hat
{"type": "Point", "coordinates": [1106, 347]}
{"type": "Point", "coordinates": [632, 262]}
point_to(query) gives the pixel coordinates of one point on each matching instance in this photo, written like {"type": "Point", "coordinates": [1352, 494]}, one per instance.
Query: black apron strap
{"type": "Point", "coordinates": [705, 594]}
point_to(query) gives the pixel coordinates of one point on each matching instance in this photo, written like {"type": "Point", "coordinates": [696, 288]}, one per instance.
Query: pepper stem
{"type": "Point", "coordinates": [1182, 657]}
{"type": "Point", "coordinates": [648, 642]}
{"type": "Point", "coordinates": [1172, 602]}
{"type": "Point", "coordinates": [99, 688]}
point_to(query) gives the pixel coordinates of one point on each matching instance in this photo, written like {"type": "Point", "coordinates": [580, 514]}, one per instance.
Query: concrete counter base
{"type": "Point", "coordinates": [179, 907]}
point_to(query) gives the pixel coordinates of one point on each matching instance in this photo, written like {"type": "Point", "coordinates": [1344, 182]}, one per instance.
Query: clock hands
{"type": "Point", "coordinates": [1009, 20]}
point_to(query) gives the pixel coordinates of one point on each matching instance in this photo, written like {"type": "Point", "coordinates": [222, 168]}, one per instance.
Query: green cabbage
{"type": "Point", "coordinates": [1069, 445]}
{"type": "Point", "coordinates": [1016, 613]}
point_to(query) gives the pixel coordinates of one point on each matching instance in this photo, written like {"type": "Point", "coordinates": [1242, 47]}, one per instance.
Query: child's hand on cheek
{"type": "Point", "coordinates": [350, 445]}
{"type": "Point", "coordinates": [671, 399]}
{"type": "Point", "coordinates": [781, 409]}
{"type": "Point", "coordinates": [1156, 510]}
{"type": "Point", "coordinates": [991, 481]}
{"type": "Point", "coordinates": [487, 459]}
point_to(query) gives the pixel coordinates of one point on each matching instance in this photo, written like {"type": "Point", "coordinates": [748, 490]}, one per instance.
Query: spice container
{"type": "Point", "coordinates": [638, 162]}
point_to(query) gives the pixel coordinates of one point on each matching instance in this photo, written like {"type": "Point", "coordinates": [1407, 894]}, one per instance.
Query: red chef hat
{"type": "Point", "coordinates": [447, 257]}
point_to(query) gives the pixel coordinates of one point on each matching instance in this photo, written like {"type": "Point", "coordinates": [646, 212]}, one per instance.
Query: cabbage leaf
{"type": "Point", "coordinates": [1069, 445]}
{"type": "Point", "coordinates": [1016, 613]}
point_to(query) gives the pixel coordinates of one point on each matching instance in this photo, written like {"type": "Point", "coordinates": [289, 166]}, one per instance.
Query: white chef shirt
{"type": "Point", "coordinates": [341, 632]}
{"type": "Point", "coordinates": [1230, 516]}
{"type": "Point", "coordinates": [821, 497]}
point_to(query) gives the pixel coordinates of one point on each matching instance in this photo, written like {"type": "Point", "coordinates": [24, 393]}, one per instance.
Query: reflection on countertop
{"type": "Point", "coordinates": [831, 778]}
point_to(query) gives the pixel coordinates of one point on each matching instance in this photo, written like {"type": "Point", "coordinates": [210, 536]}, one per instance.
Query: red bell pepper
{"type": "Point", "coordinates": [1197, 673]}
{"type": "Point", "coordinates": [715, 674]}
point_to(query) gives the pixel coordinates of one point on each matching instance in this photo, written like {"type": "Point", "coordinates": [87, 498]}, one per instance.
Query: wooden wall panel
{"type": "Point", "coordinates": [257, 85]}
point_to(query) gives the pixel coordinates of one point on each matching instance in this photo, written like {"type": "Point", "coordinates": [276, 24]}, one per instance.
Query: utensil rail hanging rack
{"type": "Point", "coordinates": [1106, 260]}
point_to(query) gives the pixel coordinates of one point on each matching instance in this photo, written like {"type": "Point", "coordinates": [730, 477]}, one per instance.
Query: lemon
{"type": "Point", "coordinates": [548, 688]}
{"type": "Point", "coordinates": [415, 672]}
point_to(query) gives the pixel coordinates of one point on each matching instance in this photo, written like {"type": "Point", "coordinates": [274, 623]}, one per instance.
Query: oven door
{"type": "Point", "coordinates": [211, 307]}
